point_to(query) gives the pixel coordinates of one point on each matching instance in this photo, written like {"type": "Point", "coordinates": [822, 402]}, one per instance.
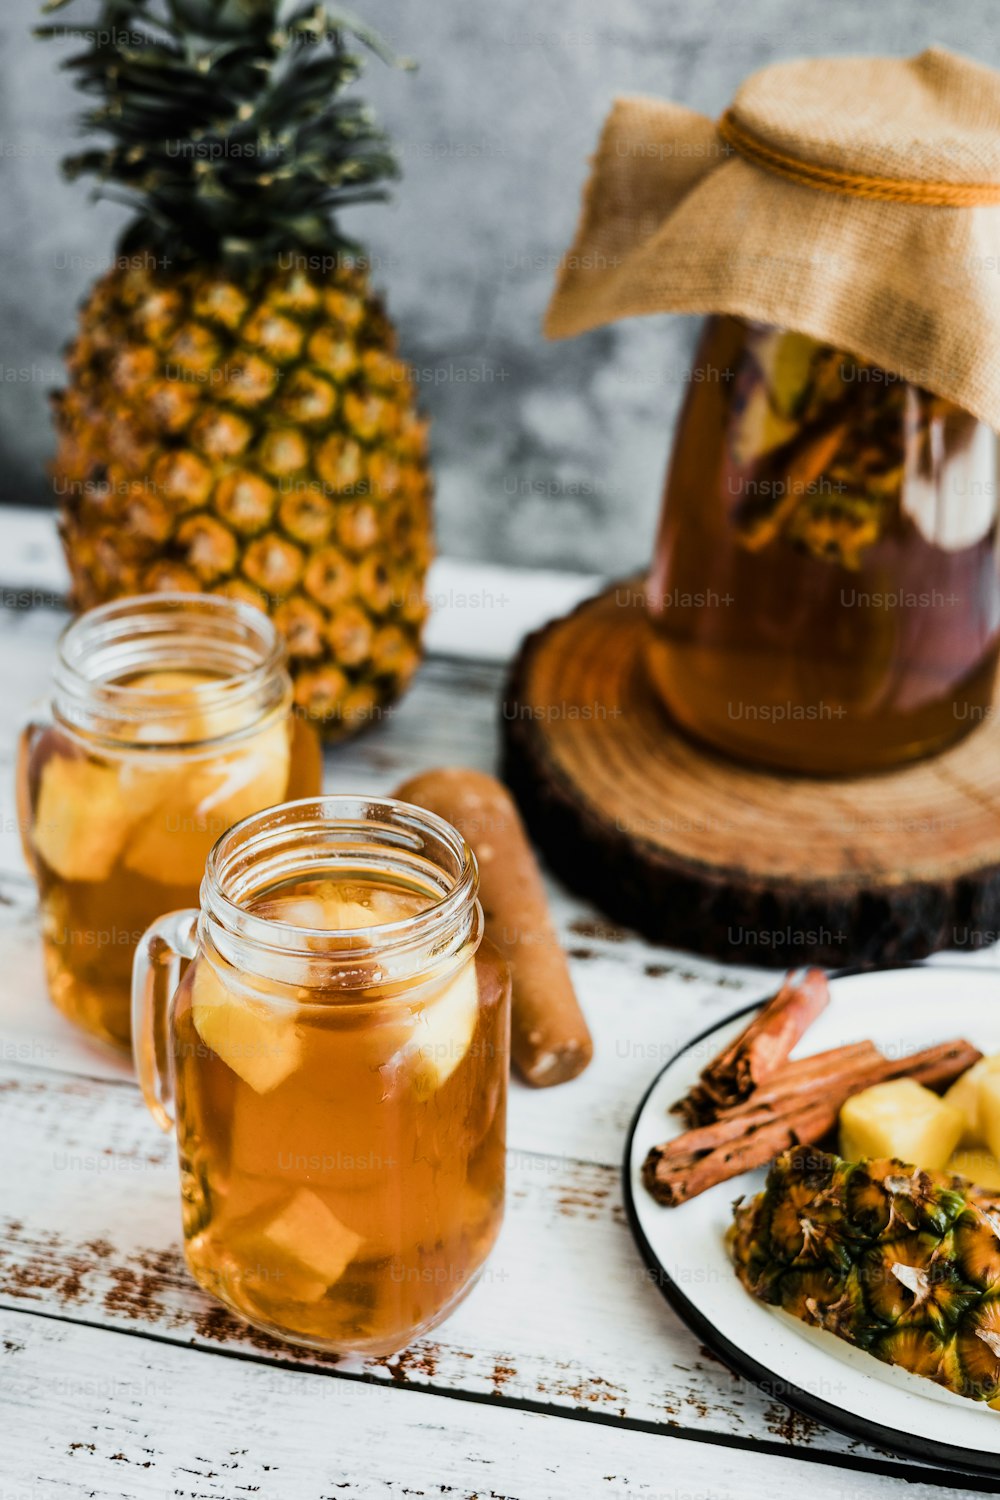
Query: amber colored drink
{"type": "Point", "coordinates": [120, 811]}
{"type": "Point", "coordinates": [341, 1149]}
{"type": "Point", "coordinates": [825, 595]}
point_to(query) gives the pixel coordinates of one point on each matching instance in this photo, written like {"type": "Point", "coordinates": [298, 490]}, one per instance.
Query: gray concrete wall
{"type": "Point", "coordinates": [546, 453]}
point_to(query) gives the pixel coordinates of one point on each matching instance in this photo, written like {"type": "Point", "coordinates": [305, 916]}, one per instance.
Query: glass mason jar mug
{"type": "Point", "coordinates": [171, 719]}
{"type": "Point", "coordinates": [334, 1062]}
{"type": "Point", "coordinates": [825, 595]}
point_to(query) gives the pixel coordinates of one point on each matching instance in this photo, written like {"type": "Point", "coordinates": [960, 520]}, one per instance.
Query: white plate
{"type": "Point", "coordinates": [901, 1010]}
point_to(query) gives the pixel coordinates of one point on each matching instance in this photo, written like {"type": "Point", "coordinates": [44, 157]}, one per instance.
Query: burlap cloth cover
{"type": "Point", "coordinates": [853, 199]}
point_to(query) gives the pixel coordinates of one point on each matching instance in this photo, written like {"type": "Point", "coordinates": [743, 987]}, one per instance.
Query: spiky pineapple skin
{"type": "Point", "coordinates": [902, 1263]}
{"type": "Point", "coordinates": [258, 437]}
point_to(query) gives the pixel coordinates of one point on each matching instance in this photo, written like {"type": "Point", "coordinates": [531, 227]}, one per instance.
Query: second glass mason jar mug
{"type": "Point", "coordinates": [171, 719]}
{"type": "Point", "coordinates": [825, 594]}
{"type": "Point", "coordinates": [334, 1062]}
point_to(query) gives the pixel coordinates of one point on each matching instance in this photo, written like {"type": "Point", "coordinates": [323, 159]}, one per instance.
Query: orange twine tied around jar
{"type": "Point", "coordinates": [854, 184]}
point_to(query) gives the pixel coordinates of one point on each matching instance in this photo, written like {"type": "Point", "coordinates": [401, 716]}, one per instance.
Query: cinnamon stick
{"type": "Point", "coordinates": [675, 1180]}
{"type": "Point", "coordinates": [807, 1073]}
{"type": "Point", "coordinates": [760, 1049]}
{"type": "Point", "coordinates": [747, 1137]}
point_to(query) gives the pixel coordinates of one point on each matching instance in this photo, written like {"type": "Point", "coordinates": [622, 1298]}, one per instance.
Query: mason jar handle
{"type": "Point", "coordinates": [156, 973]}
{"type": "Point", "coordinates": [36, 718]}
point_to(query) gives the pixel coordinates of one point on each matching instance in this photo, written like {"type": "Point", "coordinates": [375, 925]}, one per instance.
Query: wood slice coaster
{"type": "Point", "coordinates": [698, 852]}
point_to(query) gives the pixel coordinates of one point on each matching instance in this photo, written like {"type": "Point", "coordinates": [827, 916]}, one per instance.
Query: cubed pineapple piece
{"type": "Point", "coordinates": [178, 690]}
{"type": "Point", "coordinates": [442, 1032]}
{"type": "Point", "coordinates": [81, 822]}
{"type": "Point", "coordinates": [977, 1165]}
{"type": "Point", "coordinates": [251, 775]}
{"type": "Point", "coordinates": [256, 1038]}
{"type": "Point", "coordinates": [304, 1247]}
{"type": "Point", "coordinates": [203, 800]}
{"type": "Point", "coordinates": [989, 1109]}
{"type": "Point", "coordinates": [899, 1119]}
{"type": "Point", "coordinates": [964, 1096]}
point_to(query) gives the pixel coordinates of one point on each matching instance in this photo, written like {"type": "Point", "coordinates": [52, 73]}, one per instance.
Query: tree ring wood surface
{"type": "Point", "coordinates": [696, 851]}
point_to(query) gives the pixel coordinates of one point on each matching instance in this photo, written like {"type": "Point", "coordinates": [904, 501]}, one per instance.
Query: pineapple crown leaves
{"type": "Point", "coordinates": [229, 132]}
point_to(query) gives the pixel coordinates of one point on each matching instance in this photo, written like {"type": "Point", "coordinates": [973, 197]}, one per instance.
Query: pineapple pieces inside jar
{"type": "Point", "coordinates": [414, 1038]}
{"type": "Point", "coordinates": [350, 1176]}
{"type": "Point", "coordinates": [84, 813]}
{"type": "Point", "coordinates": [300, 1246]}
{"type": "Point", "coordinates": [158, 809]}
{"type": "Point", "coordinates": [254, 1035]}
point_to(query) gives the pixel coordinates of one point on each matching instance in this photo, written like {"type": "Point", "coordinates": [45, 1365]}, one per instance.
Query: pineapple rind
{"type": "Point", "coordinates": [898, 1261]}
{"type": "Point", "coordinates": [203, 447]}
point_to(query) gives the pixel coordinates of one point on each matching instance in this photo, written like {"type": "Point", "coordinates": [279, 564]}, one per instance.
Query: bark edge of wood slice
{"type": "Point", "coordinates": [698, 852]}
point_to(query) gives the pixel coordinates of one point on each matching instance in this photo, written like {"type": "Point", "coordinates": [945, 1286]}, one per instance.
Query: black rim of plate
{"type": "Point", "coordinates": [908, 1445]}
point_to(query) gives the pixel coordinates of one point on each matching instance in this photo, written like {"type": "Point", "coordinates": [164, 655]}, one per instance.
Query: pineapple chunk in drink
{"type": "Point", "coordinates": [214, 794]}
{"type": "Point", "coordinates": [351, 1195]}
{"type": "Point", "coordinates": [900, 1119]}
{"type": "Point", "coordinates": [253, 1034]}
{"type": "Point", "coordinates": [119, 833]}
{"type": "Point", "coordinates": [442, 1033]}
{"type": "Point", "coordinates": [82, 818]}
{"type": "Point", "coordinates": [301, 1246]}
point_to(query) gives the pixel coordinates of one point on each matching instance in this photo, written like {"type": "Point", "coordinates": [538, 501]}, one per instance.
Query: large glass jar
{"type": "Point", "coordinates": [335, 1059]}
{"type": "Point", "coordinates": [824, 596]}
{"type": "Point", "coordinates": [170, 719]}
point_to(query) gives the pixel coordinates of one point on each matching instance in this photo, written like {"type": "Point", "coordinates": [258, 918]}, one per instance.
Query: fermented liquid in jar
{"type": "Point", "coordinates": [824, 596]}
{"type": "Point", "coordinates": [339, 1078]}
{"type": "Point", "coordinates": [171, 719]}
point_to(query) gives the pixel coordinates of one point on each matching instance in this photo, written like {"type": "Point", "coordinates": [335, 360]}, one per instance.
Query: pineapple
{"type": "Point", "coordinates": [901, 1119]}
{"type": "Point", "coordinates": [903, 1263]}
{"type": "Point", "coordinates": [964, 1095]}
{"type": "Point", "coordinates": [977, 1165]}
{"type": "Point", "coordinates": [237, 419]}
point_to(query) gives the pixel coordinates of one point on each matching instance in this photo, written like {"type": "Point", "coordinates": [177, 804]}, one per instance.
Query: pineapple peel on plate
{"type": "Point", "coordinates": [898, 1261]}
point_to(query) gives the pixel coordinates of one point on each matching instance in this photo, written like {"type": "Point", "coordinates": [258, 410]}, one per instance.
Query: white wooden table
{"type": "Point", "coordinates": [564, 1374]}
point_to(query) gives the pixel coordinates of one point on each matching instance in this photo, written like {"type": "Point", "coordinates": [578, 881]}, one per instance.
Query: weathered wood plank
{"type": "Point", "coordinates": [89, 1413]}
{"type": "Point", "coordinates": [565, 1316]}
